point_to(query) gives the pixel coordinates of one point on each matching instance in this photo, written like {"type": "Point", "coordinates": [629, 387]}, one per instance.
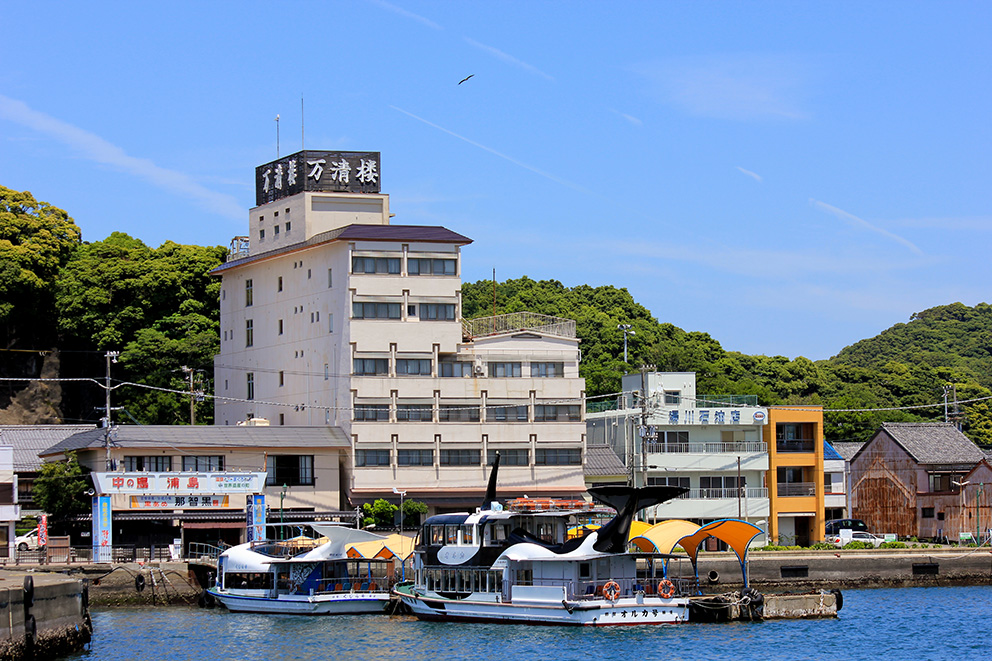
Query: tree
{"type": "Point", "coordinates": [159, 307]}
{"type": "Point", "coordinates": [36, 241]}
{"type": "Point", "coordinates": [379, 513]}
{"type": "Point", "coordinates": [413, 510]}
{"type": "Point", "coordinates": [60, 488]}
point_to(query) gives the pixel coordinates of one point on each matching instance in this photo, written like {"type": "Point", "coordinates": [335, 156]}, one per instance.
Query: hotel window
{"type": "Point", "coordinates": [514, 457]}
{"type": "Point", "coordinates": [376, 310]}
{"type": "Point", "coordinates": [431, 266]}
{"type": "Point", "coordinates": [261, 235]}
{"type": "Point", "coordinates": [203, 463]}
{"type": "Point", "coordinates": [556, 413]}
{"type": "Point", "coordinates": [413, 366]}
{"type": "Point", "coordinates": [280, 326]}
{"type": "Point", "coordinates": [668, 482]}
{"type": "Point", "coordinates": [371, 366]}
{"type": "Point", "coordinates": [249, 332]}
{"type": "Point", "coordinates": [289, 226]}
{"type": "Point", "coordinates": [547, 370]}
{"type": "Point", "coordinates": [275, 230]}
{"type": "Point", "coordinates": [248, 293]}
{"type": "Point", "coordinates": [282, 378]}
{"type": "Point", "coordinates": [250, 378]}
{"type": "Point", "coordinates": [371, 457]}
{"type": "Point", "coordinates": [151, 464]}
{"type": "Point", "coordinates": [672, 397]}
{"type": "Point", "coordinates": [327, 371]}
{"type": "Point", "coordinates": [290, 469]}
{"type": "Point", "coordinates": [389, 265]}
{"type": "Point", "coordinates": [460, 457]}
{"type": "Point", "coordinates": [330, 323]}
{"type": "Point", "coordinates": [458, 413]}
{"type": "Point", "coordinates": [415, 457]}
{"type": "Point", "coordinates": [437, 311]}
{"type": "Point", "coordinates": [557, 457]}
{"type": "Point", "coordinates": [414, 413]}
{"type": "Point", "coordinates": [280, 284]}
{"type": "Point", "coordinates": [501, 370]}
{"type": "Point", "coordinates": [330, 278]}
{"type": "Point", "coordinates": [503, 413]}
{"type": "Point", "coordinates": [452, 368]}
{"type": "Point", "coordinates": [372, 412]}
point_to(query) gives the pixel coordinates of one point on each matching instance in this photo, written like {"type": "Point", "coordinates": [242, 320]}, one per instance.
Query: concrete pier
{"type": "Point", "coordinates": [42, 615]}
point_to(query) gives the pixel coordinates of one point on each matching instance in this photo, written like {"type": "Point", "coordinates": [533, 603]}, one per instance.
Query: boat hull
{"type": "Point", "coordinates": [319, 604]}
{"type": "Point", "coordinates": [627, 611]}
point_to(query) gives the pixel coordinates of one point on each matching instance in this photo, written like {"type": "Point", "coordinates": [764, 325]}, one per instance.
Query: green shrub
{"type": "Point", "coordinates": [893, 545]}
{"type": "Point", "coordinates": [822, 546]}
{"type": "Point", "coordinates": [858, 545]}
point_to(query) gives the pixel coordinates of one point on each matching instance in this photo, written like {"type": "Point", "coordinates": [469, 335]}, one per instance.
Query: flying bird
{"type": "Point", "coordinates": [465, 78]}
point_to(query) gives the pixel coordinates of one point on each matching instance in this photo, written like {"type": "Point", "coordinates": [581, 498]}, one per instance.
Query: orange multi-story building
{"type": "Point", "coordinates": [795, 475]}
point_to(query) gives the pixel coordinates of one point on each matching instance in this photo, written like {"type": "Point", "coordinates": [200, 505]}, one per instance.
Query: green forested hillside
{"type": "Point", "coordinates": [159, 308]}
{"type": "Point", "coordinates": [908, 365]}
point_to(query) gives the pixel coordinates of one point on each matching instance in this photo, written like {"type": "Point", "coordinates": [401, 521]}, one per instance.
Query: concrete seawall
{"type": "Point", "coordinates": [42, 615]}
{"type": "Point", "coordinates": [795, 570]}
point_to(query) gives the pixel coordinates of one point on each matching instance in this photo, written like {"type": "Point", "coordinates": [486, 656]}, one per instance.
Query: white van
{"type": "Point", "coordinates": [27, 541]}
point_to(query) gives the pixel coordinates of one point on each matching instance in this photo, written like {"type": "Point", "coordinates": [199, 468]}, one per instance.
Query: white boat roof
{"type": "Point", "coordinates": [527, 551]}
{"type": "Point", "coordinates": [244, 556]}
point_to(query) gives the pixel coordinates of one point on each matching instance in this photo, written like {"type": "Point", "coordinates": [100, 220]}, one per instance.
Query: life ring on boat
{"type": "Point", "coordinates": [666, 589]}
{"type": "Point", "coordinates": [612, 590]}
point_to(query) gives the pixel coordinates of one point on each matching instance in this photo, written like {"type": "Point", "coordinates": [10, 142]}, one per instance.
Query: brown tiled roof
{"type": "Point", "coordinates": [602, 460]}
{"type": "Point", "coordinates": [933, 442]}
{"type": "Point", "coordinates": [360, 232]}
{"type": "Point", "coordinates": [204, 436]}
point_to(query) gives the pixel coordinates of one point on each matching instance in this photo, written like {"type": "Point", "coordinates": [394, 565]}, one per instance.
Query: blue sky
{"type": "Point", "coordinates": [788, 177]}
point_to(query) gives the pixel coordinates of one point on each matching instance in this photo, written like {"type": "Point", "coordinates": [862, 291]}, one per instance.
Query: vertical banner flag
{"type": "Point", "coordinates": [102, 533]}
{"type": "Point", "coordinates": [259, 508]}
{"type": "Point", "coordinates": [43, 530]}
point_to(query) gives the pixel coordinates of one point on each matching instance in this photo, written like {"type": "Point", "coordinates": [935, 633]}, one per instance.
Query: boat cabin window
{"type": "Point", "coordinates": [467, 534]}
{"type": "Point", "coordinates": [498, 532]}
{"type": "Point", "coordinates": [248, 580]}
{"type": "Point", "coordinates": [545, 530]}
{"type": "Point", "coordinates": [451, 534]}
{"type": "Point", "coordinates": [437, 535]}
{"type": "Point", "coordinates": [585, 571]}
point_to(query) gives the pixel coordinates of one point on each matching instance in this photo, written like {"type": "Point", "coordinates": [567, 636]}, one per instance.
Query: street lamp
{"type": "Point", "coordinates": [402, 494]}
{"type": "Point", "coordinates": [282, 512]}
{"type": "Point", "coordinates": [626, 331]}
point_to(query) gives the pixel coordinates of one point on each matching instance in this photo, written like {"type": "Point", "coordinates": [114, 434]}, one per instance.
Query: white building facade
{"type": "Point", "coordinates": [330, 315]}
{"type": "Point", "coordinates": [715, 447]}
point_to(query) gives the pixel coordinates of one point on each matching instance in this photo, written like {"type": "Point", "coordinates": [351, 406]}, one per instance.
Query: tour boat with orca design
{"type": "Point", "coordinates": [504, 565]}
{"type": "Point", "coordinates": [303, 576]}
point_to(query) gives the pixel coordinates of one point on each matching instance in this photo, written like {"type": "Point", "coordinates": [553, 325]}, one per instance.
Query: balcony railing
{"type": "Point", "coordinates": [518, 321]}
{"type": "Point", "coordinates": [797, 489]}
{"type": "Point", "coordinates": [724, 494]}
{"type": "Point", "coordinates": [795, 445]}
{"type": "Point", "coordinates": [715, 447]}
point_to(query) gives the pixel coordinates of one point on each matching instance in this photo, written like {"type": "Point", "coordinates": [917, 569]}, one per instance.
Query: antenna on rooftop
{"type": "Point", "coordinates": [277, 136]}
{"type": "Point", "coordinates": [302, 134]}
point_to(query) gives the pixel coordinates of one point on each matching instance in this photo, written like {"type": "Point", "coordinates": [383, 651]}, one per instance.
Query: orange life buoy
{"type": "Point", "coordinates": [666, 589]}
{"type": "Point", "coordinates": [612, 590]}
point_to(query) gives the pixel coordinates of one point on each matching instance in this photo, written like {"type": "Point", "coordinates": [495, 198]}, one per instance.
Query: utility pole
{"type": "Point", "coordinates": [192, 405]}
{"type": "Point", "coordinates": [110, 356]}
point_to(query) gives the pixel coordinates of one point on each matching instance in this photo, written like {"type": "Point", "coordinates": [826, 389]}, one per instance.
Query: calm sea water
{"type": "Point", "coordinates": [906, 623]}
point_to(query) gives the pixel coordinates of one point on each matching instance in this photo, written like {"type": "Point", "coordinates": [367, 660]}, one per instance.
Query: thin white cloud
{"type": "Point", "coordinates": [964, 223]}
{"type": "Point", "coordinates": [630, 118]}
{"type": "Point", "coordinates": [739, 86]}
{"type": "Point", "coordinates": [98, 150]}
{"type": "Point", "coordinates": [864, 224]}
{"type": "Point", "coordinates": [506, 57]}
{"type": "Point", "coordinates": [406, 14]}
{"type": "Point", "coordinates": [753, 175]}
{"type": "Point", "coordinates": [559, 180]}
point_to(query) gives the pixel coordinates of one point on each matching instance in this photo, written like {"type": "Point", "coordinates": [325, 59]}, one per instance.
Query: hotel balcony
{"type": "Point", "coordinates": [518, 321]}
{"type": "Point", "coordinates": [795, 445]}
{"type": "Point", "coordinates": [713, 504]}
{"type": "Point", "coordinates": [789, 489]}
{"type": "Point", "coordinates": [708, 456]}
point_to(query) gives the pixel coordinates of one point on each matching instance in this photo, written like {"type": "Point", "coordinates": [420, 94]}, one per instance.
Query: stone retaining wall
{"type": "Point", "coordinates": [42, 616]}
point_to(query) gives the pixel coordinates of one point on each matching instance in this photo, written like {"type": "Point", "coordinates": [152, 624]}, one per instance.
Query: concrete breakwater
{"type": "Point", "coordinates": [136, 584]}
{"type": "Point", "coordinates": [42, 615]}
{"type": "Point", "coordinates": [804, 570]}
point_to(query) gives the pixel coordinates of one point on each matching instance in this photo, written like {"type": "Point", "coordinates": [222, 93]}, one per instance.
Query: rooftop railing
{"type": "Point", "coordinates": [518, 321]}
{"type": "Point", "coordinates": [708, 448]}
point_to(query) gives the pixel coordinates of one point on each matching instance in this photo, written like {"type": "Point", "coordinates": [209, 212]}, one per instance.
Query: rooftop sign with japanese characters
{"type": "Point", "coordinates": [325, 171]}
{"type": "Point", "coordinates": [179, 484]}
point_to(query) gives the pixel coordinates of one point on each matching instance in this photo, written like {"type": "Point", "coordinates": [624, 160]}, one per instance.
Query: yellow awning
{"type": "Point", "coordinates": [663, 537]}
{"type": "Point", "coordinates": [393, 546]}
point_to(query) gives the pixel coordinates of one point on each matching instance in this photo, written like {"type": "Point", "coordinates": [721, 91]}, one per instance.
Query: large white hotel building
{"type": "Point", "coordinates": [331, 315]}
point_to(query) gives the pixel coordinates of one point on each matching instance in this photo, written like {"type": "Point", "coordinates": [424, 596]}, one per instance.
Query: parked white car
{"type": "Point", "coordinates": [857, 536]}
{"type": "Point", "coordinates": [28, 541]}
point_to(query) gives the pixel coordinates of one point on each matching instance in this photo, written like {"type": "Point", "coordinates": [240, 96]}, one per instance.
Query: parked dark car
{"type": "Point", "coordinates": [836, 525]}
